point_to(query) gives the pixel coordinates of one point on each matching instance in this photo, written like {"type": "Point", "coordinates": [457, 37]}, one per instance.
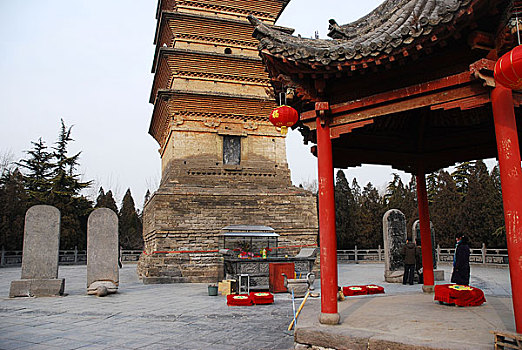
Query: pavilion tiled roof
{"type": "Point", "coordinates": [391, 28]}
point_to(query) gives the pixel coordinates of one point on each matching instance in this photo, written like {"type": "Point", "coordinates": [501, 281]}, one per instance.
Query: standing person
{"type": "Point", "coordinates": [460, 273]}
{"type": "Point", "coordinates": [409, 251]}
{"type": "Point", "coordinates": [120, 256]}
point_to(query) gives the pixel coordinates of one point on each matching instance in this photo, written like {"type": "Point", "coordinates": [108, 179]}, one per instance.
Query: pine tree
{"type": "Point", "coordinates": [38, 168]}
{"type": "Point", "coordinates": [106, 200]}
{"type": "Point", "coordinates": [495, 177]}
{"type": "Point", "coordinates": [461, 176]}
{"type": "Point", "coordinates": [344, 213]}
{"type": "Point", "coordinates": [65, 182]}
{"type": "Point", "coordinates": [403, 198]}
{"type": "Point", "coordinates": [14, 202]}
{"type": "Point", "coordinates": [356, 191]}
{"type": "Point", "coordinates": [482, 213]}
{"type": "Point", "coordinates": [498, 238]}
{"type": "Point", "coordinates": [371, 211]}
{"type": "Point", "coordinates": [100, 199]}
{"type": "Point", "coordinates": [431, 186]}
{"type": "Point", "coordinates": [65, 193]}
{"type": "Point", "coordinates": [130, 225]}
{"type": "Point", "coordinates": [395, 192]}
{"type": "Point", "coordinates": [445, 211]}
{"type": "Point", "coordinates": [110, 202]}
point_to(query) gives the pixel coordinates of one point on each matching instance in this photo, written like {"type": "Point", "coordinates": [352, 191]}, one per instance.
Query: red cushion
{"type": "Point", "coordinates": [262, 297]}
{"type": "Point", "coordinates": [459, 295]}
{"type": "Point", "coordinates": [374, 289]}
{"type": "Point", "coordinates": [354, 290]}
{"type": "Point", "coordinates": [239, 300]}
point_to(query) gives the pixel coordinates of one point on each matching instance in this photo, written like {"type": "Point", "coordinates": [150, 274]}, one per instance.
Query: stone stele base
{"type": "Point", "coordinates": [438, 275]}
{"type": "Point", "coordinates": [102, 288]}
{"type": "Point", "coordinates": [393, 276]}
{"type": "Point", "coordinates": [37, 288]}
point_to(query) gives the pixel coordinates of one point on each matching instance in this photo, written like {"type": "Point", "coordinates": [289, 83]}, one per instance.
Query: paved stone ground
{"type": "Point", "coordinates": [407, 319]}
{"type": "Point", "coordinates": [175, 316]}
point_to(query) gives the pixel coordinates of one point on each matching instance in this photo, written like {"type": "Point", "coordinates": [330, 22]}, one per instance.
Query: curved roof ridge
{"type": "Point", "coordinates": [392, 24]}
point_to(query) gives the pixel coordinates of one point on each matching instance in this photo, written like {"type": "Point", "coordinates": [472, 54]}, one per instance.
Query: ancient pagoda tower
{"type": "Point", "coordinates": [223, 163]}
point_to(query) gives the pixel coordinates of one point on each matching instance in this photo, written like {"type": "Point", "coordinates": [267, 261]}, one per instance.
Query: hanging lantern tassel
{"type": "Point", "coordinates": [508, 69]}
{"type": "Point", "coordinates": [284, 117]}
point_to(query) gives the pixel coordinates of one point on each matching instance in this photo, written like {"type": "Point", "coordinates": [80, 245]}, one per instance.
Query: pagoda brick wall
{"type": "Point", "coordinates": [189, 220]}
{"type": "Point", "coordinates": [210, 88]}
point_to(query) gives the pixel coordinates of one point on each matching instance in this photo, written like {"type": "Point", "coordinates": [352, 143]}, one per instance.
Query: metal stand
{"type": "Point", "coordinates": [240, 282]}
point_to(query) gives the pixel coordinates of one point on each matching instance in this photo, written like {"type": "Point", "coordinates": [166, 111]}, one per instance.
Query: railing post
{"type": "Point", "coordinates": [2, 257]}
{"type": "Point", "coordinates": [75, 254]}
{"type": "Point", "coordinates": [379, 252]}
{"type": "Point", "coordinates": [438, 254]}
{"type": "Point", "coordinates": [356, 259]}
{"type": "Point", "coordinates": [483, 253]}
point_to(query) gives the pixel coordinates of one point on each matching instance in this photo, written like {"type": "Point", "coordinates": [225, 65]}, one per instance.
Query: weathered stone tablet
{"type": "Point", "coordinates": [394, 234]}
{"type": "Point", "coordinates": [416, 232]}
{"type": "Point", "coordinates": [40, 254]}
{"type": "Point", "coordinates": [102, 252]}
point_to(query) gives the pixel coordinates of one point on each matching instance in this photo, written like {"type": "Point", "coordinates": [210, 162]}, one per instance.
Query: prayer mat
{"type": "Point", "coordinates": [459, 295]}
{"type": "Point", "coordinates": [262, 297]}
{"type": "Point", "coordinates": [374, 289]}
{"type": "Point", "coordinates": [355, 290]}
{"type": "Point", "coordinates": [239, 300]}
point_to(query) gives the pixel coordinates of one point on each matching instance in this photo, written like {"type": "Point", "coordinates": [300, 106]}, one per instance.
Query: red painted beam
{"type": "Point", "coordinates": [337, 131]}
{"type": "Point", "coordinates": [511, 181]}
{"type": "Point", "coordinates": [465, 103]}
{"type": "Point", "coordinates": [453, 80]}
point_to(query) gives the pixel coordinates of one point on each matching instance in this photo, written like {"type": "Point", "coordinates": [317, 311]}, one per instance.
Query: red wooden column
{"type": "Point", "coordinates": [327, 237]}
{"type": "Point", "coordinates": [424, 221]}
{"type": "Point", "coordinates": [511, 180]}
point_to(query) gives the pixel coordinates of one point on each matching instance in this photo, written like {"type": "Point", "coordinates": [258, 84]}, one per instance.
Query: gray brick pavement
{"type": "Point", "coordinates": [175, 316]}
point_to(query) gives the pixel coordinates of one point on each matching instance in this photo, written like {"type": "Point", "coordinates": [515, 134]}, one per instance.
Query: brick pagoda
{"type": "Point", "coordinates": [223, 162]}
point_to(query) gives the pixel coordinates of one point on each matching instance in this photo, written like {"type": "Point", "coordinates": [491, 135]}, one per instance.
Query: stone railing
{"type": "Point", "coordinates": [65, 257]}
{"type": "Point", "coordinates": [495, 256]}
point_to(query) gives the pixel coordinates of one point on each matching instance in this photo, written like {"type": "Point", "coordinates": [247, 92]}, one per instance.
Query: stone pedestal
{"type": "Point", "coordinates": [40, 254]}
{"type": "Point", "coordinates": [438, 275]}
{"type": "Point", "coordinates": [183, 227]}
{"type": "Point", "coordinates": [37, 288]}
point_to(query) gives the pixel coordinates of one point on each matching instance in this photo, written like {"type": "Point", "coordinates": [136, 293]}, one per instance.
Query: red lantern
{"type": "Point", "coordinates": [508, 69]}
{"type": "Point", "coordinates": [284, 117]}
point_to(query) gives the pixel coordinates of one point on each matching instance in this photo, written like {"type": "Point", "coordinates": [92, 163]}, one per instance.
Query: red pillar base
{"type": "Point", "coordinates": [331, 319]}
{"type": "Point", "coordinates": [428, 289]}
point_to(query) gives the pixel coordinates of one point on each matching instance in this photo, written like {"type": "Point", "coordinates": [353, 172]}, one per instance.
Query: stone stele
{"type": "Point", "coordinates": [394, 234]}
{"type": "Point", "coordinates": [416, 233]}
{"type": "Point", "coordinates": [102, 252]}
{"type": "Point", "coordinates": [40, 255]}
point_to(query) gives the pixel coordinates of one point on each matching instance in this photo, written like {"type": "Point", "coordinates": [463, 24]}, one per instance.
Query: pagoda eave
{"type": "Point", "coordinates": [253, 108]}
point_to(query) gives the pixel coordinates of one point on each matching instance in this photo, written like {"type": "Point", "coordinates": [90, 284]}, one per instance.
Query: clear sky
{"type": "Point", "coordinates": [89, 62]}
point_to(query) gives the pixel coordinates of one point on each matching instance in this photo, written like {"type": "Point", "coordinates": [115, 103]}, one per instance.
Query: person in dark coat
{"type": "Point", "coordinates": [460, 273]}
{"type": "Point", "coordinates": [410, 252]}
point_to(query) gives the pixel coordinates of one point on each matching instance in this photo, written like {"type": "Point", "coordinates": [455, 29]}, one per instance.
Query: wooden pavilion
{"type": "Point", "coordinates": [409, 85]}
